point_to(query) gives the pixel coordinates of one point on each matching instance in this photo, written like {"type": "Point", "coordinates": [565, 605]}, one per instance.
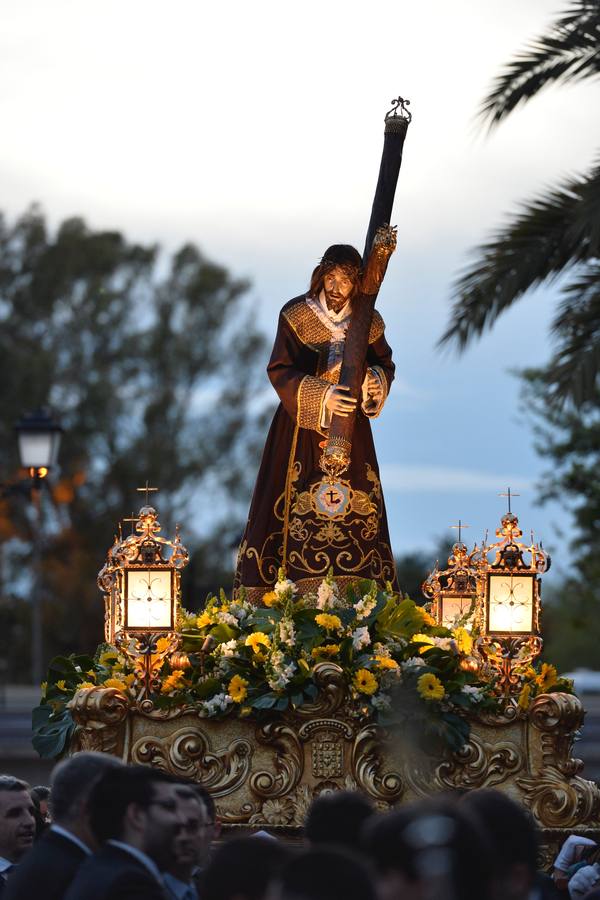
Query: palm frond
{"type": "Point", "coordinates": [549, 236]}
{"type": "Point", "coordinates": [569, 51]}
{"type": "Point", "coordinates": [574, 368]}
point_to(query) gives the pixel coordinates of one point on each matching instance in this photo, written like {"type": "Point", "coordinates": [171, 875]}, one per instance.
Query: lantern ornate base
{"type": "Point", "coordinates": [266, 773]}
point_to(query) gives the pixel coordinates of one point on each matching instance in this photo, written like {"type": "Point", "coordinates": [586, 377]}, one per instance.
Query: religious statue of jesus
{"type": "Point", "coordinates": [301, 520]}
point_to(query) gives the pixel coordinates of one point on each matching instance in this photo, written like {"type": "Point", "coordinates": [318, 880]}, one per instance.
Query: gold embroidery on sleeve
{"type": "Point", "coordinates": [309, 402]}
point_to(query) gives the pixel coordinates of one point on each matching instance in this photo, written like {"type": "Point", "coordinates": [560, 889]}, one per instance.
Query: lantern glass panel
{"type": "Point", "coordinates": [511, 603]}
{"type": "Point", "coordinates": [148, 599]}
{"type": "Point", "coordinates": [38, 449]}
{"type": "Point", "coordinates": [453, 608]}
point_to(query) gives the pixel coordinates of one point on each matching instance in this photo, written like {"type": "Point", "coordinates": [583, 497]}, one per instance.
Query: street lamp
{"type": "Point", "coordinates": [38, 437]}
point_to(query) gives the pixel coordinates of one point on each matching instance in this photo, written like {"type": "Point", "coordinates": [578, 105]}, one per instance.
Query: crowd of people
{"type": "Point", "coordinates": [108, 831]}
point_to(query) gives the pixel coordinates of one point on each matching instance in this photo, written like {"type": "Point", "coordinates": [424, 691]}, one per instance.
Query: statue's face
{"type": "Point", "coordinates": [337, 287]}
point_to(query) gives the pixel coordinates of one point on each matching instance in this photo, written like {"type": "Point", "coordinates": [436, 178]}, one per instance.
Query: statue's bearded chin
{"type": "Point", "coordinates": [335, 302]}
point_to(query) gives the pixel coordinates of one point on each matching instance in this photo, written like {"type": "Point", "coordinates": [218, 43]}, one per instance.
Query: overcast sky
{"type": "Point", "coordinates": [255, 130]}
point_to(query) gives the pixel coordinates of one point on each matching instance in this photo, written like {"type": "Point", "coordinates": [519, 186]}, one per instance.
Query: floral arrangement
{"type": "Point", "coordinates": [236, 658]}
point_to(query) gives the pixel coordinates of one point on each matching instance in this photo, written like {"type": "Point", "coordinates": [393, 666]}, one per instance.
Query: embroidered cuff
{"type": "Point", "coordinates": [370, 407]}
{"type": "Point", "coordinates": [310, 402]}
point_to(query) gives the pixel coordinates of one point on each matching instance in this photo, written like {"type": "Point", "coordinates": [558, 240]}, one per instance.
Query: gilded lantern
{"type": "Point", "coordinates": [453, 591]}
{"type": "Point", "coordinates": [141, 580]}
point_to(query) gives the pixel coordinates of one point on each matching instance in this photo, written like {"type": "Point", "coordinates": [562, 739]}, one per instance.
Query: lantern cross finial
{"type": "Point", "coordinates": [131, 519]}
{"type": "Point", "coordinates": [460, 527]}
{"type": "Point", "coordinates": [508, 493]}
{"type": "Point", "coordinates": [147, 489]}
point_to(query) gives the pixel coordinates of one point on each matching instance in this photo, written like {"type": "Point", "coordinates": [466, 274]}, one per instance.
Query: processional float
{"type": "Point", "coordinates": [396, 700]}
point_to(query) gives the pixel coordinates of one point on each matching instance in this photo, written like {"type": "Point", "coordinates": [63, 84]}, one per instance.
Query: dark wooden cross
{"type": "Point", "coordinates": [510, 495]}
{"type": "Point", "coordinates": [147, 489]}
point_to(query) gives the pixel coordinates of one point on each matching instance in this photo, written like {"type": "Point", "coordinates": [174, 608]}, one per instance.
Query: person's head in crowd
{"type": "Point", "coordinates": [17, 818]}
{"type": "Point", "coordinates": [138, 806]}
{"type": "Point", "coordinates": [512, 833]}
{"type": "Point", "coordinates": [40, 794]}
{"type": "Point", "coordinates": [193, 843]}
{"type": "Point", "coordinates": [430, 848]}
{"type": "Point", "coordinates": [337, 818]}
{"type": "Point", "coordinates": [71, 783]}
{"type": "Point", "coordinates": [243, 869]}
{"type": "Point", "coordinates": [324, 873]}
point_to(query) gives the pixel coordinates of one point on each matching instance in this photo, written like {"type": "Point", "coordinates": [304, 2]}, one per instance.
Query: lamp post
{"type": "Point", "coordinates": [38, 437]}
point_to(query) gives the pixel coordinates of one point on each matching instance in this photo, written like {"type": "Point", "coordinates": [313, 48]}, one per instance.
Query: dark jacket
{"type": "Point", "coordinates": [114, 874]}
{"type": "Point", "coordinates": [46, 870]}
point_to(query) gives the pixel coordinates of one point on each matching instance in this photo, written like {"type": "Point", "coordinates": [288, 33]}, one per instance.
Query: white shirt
{"type": "Point", "coordinates": [58, 829]}
{"type": "Point", "coordinates": [140, 856]}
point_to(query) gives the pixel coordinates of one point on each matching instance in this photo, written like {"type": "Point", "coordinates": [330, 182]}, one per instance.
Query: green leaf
{"type": "Point", "coordinates": [266, 701]}
{"type": "Point", "coordinates": [223, 633]}
{"type": "Point", "coordinates": [205, 689]}
{"type": "Point", "coordinates": [50, 739]}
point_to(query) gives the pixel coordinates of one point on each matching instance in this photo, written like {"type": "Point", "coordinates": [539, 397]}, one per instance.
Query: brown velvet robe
{"type": "Point", "coordinates": [297, 519]}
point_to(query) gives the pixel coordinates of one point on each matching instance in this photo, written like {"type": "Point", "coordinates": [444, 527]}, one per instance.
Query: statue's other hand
{"type": "Point", "coordinates": [339, 402]}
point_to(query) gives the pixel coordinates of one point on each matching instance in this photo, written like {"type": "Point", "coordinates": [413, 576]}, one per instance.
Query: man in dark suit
{"type": "Point", "coordinates": [17, 825]}
{"type": "Point", "coordinates": [135, 814]}
{"type": "Point", "coordinates": [55, 857]}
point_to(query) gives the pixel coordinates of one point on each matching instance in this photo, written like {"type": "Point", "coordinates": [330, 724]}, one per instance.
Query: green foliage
{"type": "Point", "coordinates": [553, 234]}
{"type": "Point", "coordinates": [150, 364]}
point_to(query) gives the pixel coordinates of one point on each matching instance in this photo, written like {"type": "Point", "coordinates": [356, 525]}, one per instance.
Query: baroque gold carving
{"type": "Point", "coordinates": [288, 763]}
{"type": "Point", "coordinates": [187, 752]}
{"type": "Point", "coordinates": [480, 764]}
{"type": "Point", "coordinates": [329, 678]}
{"type": "Point", "coordinates": [98, 714]}
{"type": "Point", "coordinates": [367, 765]}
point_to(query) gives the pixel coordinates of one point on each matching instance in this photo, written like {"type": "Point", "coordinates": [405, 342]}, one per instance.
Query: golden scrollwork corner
{"type": "Point", "coordinates": [99, 715]}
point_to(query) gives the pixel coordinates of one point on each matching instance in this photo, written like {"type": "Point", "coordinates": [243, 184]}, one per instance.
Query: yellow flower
{"type": "Point", "coordinates": [238, 689]}
{"type": "Point", "coordinates": [328, 622]}
{"type": "Point", "coordinates": [61, 685]}
{"type": "Point", "coordinates": [162, 645]}
{"type": "Point", "coordinates": [173, 682]}
{"type": "Point", "coordinates": [430, 687]}
{"type": "Point", "coordinates": [424, 639]}
{"type": "Point", "coordinates": [257, 640]}
{"type": "Point", "coordinates": [525, 697]}
{"type": "Point", "coordinates": [91, 674]}
{"type": "Point", "coordinates": [427, 619]}
{"type": "Point", "coordinates": [365, 682]}
{"type": "Point", "coordinates": [464, 640]}
{"type": "Point", "coordinates": [204, 620]}
{"type": "Point", "coordinates": [107, 658]}
{"type": "Point", "coordinates": [44, 688]}
{"type": "Point", "coordinates": [385, 662]}
{"type": "Point", "coordinates": [325, 650]}
{"type": "Point", "coordinates": [547, 677]}
{"type": "Point", "coordinates": [270, 598]}
{"type": "Point", "coordinates": [85, 685]}
{"type": "Point", "coordinates": [115, 683]}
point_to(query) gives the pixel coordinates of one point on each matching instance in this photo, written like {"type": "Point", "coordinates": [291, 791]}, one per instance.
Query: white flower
{"type": "Point", "coordinates": [216, 704]}
{"type": "Point", "coordinates": [228, 648]}
{"type": "Point", "coordinates": [327, 596]}
{"type": "Point", "coordinates": [380, 649]}
{"type": "Point", "coordinates": [239, 610]}
{"type": "Point", "coordinates": [365, 606]}
{"type": "Point", "coordinates": [444, 643]}
{"type": "Point", "coordinates": [279, 675]}
{"type": "Point", "coordinates": [382, 702]}
{"type": "Point", "coordinates": [412, 663]}
{"type": "Point", "coordinates": [361, 638]}
{"type": "Point", "coordinates": [227, 619]}
{"type": "Point", "coordinates": [287, 632]}
{"type": "Point", "coordinates": [282, 587]}
{"type": "Point", "coordinates": [473, 692]}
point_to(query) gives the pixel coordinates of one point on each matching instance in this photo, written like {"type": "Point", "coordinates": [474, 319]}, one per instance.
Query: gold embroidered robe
{"type": "Point", "coordinates": [297, 519]}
